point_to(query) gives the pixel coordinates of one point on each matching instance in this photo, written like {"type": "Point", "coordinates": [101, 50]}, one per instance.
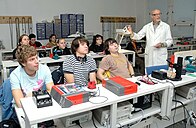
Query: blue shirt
{"type": "Point", "coordinates": [19, 79]}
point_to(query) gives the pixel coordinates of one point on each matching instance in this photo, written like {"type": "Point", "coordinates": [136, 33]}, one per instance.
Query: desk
{"type": "Point", "coordinates": [47, 60]}
{"type": "Point", "coordinates": [13, 63]}
{"type": "Point", "coordinates": [185, 80]}
{"type": "Point", "coordinates": [123, 51]}
{"type": "Point", "coordinates": [177, 48]}
{"type": "Point", "coordinates": [31, 112]}
{"type": "Point", "coordinates": [8, 54]}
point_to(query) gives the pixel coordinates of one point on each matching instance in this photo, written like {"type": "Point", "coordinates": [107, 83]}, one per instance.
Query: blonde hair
{"type": "Point", "coordinates": [24, 52]}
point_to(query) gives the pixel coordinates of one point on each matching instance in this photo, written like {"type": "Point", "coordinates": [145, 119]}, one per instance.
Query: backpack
{"type": "Point", "coordinates": [10, 123]}
{"type": "Point", "coordinates": [58, 76]}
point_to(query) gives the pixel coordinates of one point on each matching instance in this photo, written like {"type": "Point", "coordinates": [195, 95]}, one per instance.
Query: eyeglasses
{"type": "Point", "coordinates": [156, 14]}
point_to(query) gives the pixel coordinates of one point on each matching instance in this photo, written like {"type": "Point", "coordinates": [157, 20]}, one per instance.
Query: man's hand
{"type": "Point", "coordinates": [158, 45]}
{"type": "Point", "coordinates": [129, 28]}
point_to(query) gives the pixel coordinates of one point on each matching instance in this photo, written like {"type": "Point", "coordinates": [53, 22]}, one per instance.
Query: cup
{"type": "Point", "coordinates": [91, 85]}
{"type": "Point", "coordinates": [51, 55]}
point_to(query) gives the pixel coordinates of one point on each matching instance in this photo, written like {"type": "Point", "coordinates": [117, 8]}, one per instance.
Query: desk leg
{"type": "Point", "coordinates": [134, 59]}
{"type": "Point", "coordinates": [113, 115]}
{"type": "Point", "coordinates": [28, 125]}
{"type": "Point", "coordinates": [164, 102]}
{"type": "Point", "coordinates": [169, 100]}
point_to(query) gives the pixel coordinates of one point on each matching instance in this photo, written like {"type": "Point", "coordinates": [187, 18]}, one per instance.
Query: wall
{"type": "Point", "coordinates": [92, 9]}
{"type": "Point", "coordinates": [182, 16]}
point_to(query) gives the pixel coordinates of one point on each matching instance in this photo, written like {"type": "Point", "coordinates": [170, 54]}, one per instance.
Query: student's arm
{"type": "Point", "coordinates": [49, 86]}
{"type": "Point", "coordinates": [92, 77]}
{"type": "Point", "coordinates": [69, 77]}
{"type": "Point", "coordinates": [100, 74]}
{"type": "Point", "coordinates": [130, 68]}
{"type": "Point", "coordinates": [17, 94]}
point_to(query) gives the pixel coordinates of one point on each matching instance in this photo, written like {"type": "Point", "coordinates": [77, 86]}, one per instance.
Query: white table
{"type": "Point", "coordinates": [123, 51]}
{"type": "Point", "coordinates": [34, 115]}
{"type": "Point", "coordinates": [7, 64]}
{"type": "Point", "coordinates": [13, 63]}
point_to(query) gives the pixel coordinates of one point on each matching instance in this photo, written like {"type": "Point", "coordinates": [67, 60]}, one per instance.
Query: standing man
{"type": "Point", "coordinates": [158, 38]}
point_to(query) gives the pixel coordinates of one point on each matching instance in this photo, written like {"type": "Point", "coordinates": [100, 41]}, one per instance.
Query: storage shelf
{"type": "Point", "coordinates": [155, 109]}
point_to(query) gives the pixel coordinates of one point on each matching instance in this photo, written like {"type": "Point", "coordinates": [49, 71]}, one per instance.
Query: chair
{"type": "Point", "coordinates": [152, 68]}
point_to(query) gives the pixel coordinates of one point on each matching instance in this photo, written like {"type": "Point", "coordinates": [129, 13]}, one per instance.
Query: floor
{"type": "Point", "coordinates": [181, 124]}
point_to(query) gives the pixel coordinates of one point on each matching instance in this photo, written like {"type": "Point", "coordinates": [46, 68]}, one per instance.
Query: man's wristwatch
{"type": "Point", "coordinates": [131, 35]}
{"type": "Point", "coordinates": [162, 45]}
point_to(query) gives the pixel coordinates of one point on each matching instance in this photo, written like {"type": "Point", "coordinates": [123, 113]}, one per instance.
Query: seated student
{"type": "Point", "coordinates": [52, 41]}
{"type": "Point", "coordinates": [61, 48]}
{"type": "Point", "coordinates": [138, 61]}
{"type": "Point", "coordinates": [97, 44]}
{"type": "Point", "coordinates": [23, 40]}
{"type": "Point", "coordinates": [33, 42]}
{"type": "Point", "coordinates": [29, 75]}
{"type": "Point", "coordinates": [79, 68]}
{"type": "Point", "coordinates": [116, 63]}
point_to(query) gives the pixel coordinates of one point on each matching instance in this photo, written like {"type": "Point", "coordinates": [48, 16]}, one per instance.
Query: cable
{"type": "Point", "coordinates": [138, 109]}
{"type": "Point", "coordinates": [158, 98]}
{"type": "Point", "coordinates": [183, 108]}
{"type": "Point", "coordinates": [77, 122]}
{"type": "Point", "coordinates": [94, 122]}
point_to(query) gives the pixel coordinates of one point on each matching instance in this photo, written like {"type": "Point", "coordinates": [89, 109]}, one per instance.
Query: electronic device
{"type": "Point", "coordinates": [81, 117]}
{"type": "Point", "coordinates": [178, 68]}
{"type": "Point", "coordinates": [187, 91]}
{"type": "Point", "coordinates": [124, 110]}
{"type": "Point", "coordinates": [159, 74]}
{"type": "Point", "coordinates": [67, 95]}
{"type": "Point", "coordinates": [142, 102]}
{"type": "Point", "coordinates": [120, 86]}
{"type": "Point", "coordinates": [42, 98]}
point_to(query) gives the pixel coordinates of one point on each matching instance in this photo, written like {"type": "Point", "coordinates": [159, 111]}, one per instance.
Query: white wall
{"type": "Point", "coordinates": [92, 9]}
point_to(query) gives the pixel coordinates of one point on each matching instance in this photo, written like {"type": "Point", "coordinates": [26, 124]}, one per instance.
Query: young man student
{"type": "Point", "coordinates": [116, 63]}
{"type": "Point", "coordinates": [79, 68]}
{"type": "Point", "coordinates": [29, 75]}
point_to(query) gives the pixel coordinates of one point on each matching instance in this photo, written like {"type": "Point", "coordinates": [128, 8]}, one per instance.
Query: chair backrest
{"type": "Point", "coordinates": [152, 68]}
{"type": "Point", "coordinates": [58, 76]}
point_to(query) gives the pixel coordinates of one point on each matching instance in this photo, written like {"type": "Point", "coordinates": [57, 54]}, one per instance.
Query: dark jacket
{"type": "Point", "coordinates": [96, 48]}
{"type": "Point", "coordinates": [60, 52]}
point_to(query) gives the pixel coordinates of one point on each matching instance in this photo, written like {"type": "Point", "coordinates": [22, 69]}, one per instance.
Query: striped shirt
{"type": "Point", "coordinates": [79, 69]}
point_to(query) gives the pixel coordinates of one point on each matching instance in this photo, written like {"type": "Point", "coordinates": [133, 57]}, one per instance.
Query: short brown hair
{"type": "Point", "coordinates": [76, 43]}
{"type": "Point", "coordinates": [24, 52]}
